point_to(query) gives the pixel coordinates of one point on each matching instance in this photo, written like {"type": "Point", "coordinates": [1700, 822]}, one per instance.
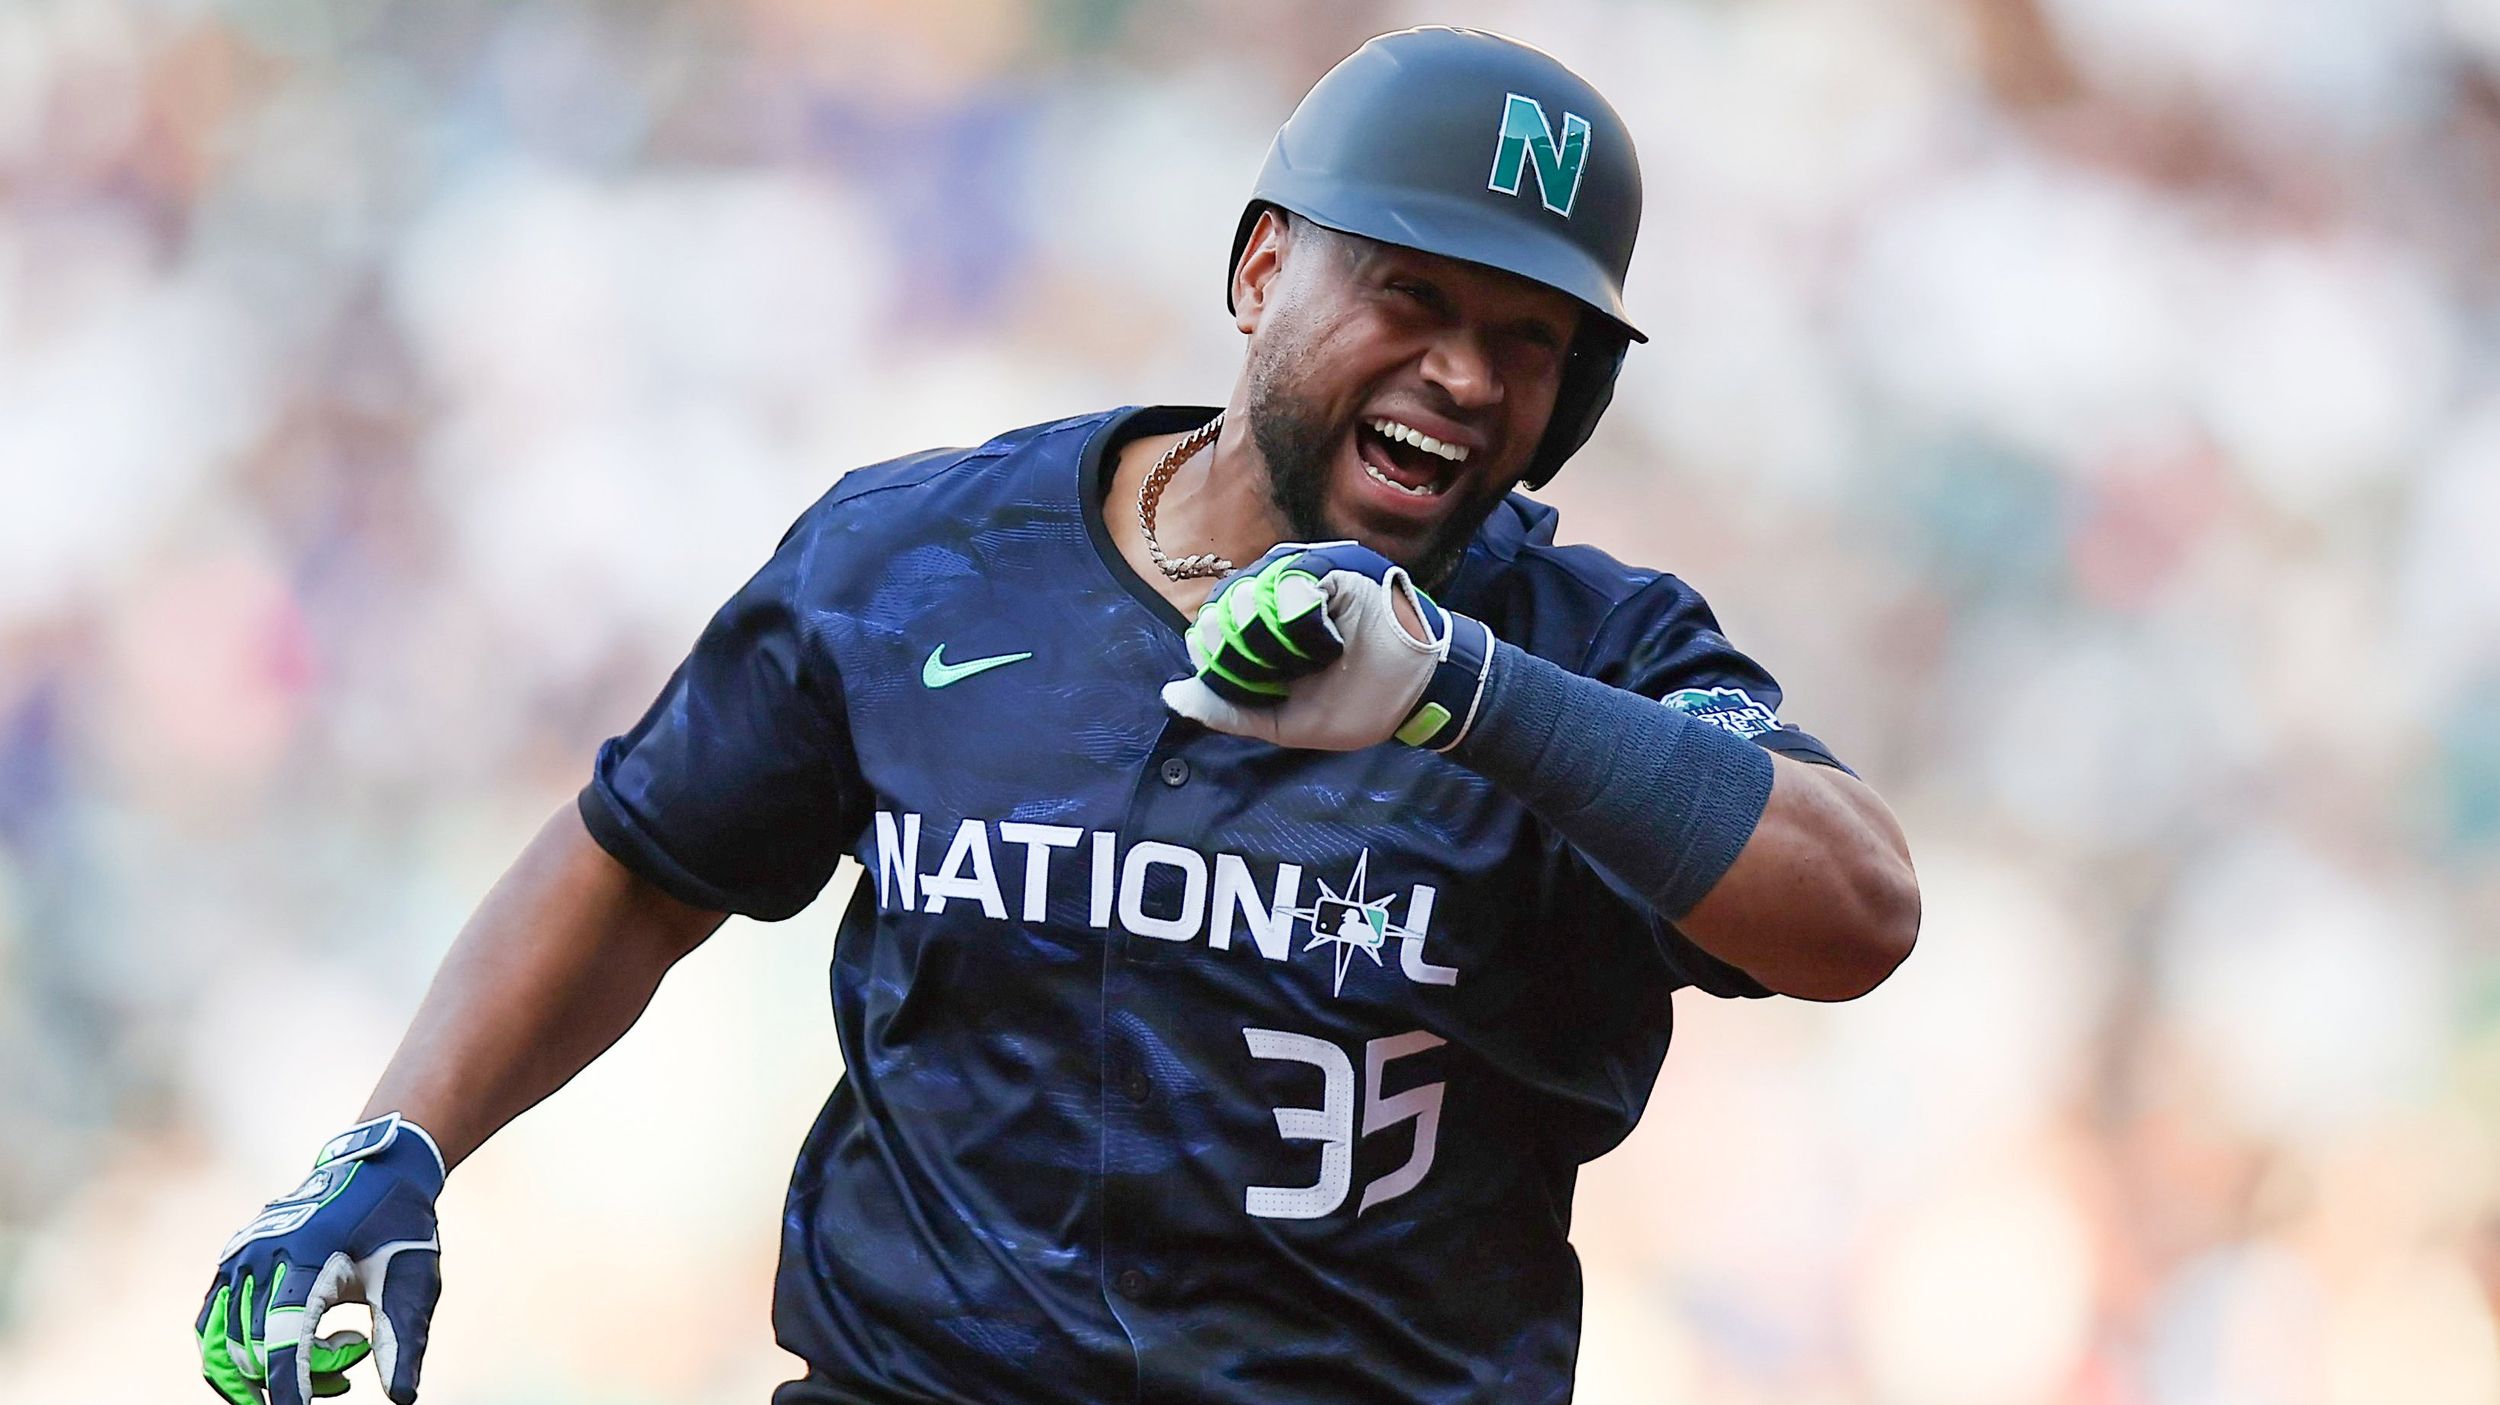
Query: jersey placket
{"type": "Point", "coordinates": [1145, 1085]}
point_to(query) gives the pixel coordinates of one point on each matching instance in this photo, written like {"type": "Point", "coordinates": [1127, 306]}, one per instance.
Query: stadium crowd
{"type": "Point", "coordinates": [2088, 408]}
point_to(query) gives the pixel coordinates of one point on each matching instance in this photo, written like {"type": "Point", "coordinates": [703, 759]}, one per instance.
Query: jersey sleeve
{"type": "Point", "coordinates": [738, 791]}
{"type": "Point", "coordinates": [1664, 643]}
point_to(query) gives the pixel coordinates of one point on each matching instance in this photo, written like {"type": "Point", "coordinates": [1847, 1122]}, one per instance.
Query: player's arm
{"type": "Point", "coordinates": [559, 960]}
{"type": "Point", "coordinates": [734, 793]}
{"type": "Point", "coordinates": [1821, 902]}
{"type": "Point", "coordinates": [557, 963]}
{"type": "Point", "coordinates": [1795, 874]}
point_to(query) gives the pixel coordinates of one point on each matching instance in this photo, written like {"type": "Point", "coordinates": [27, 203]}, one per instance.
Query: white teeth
{"type": "Point", "coordinates": [1391, 429]}
{"type": "Point", "coordinates": [1429, 490]}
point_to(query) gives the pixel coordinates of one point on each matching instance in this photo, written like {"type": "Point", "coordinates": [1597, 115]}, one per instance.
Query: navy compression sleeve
{"type": "Point", "coordinates": [1659, 799]}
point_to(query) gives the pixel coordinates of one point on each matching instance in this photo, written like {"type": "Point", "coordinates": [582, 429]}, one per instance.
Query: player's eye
{"type": "Point", "coordinates": [1423, 295]}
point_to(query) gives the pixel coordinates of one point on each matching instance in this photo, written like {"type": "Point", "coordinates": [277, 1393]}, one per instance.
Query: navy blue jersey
{"type": "Point", "coordinates": [1179, 1068]}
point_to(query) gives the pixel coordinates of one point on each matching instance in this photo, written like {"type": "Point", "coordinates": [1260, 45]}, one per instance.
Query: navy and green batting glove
{"type": "Point", "coordinates": [359, 1229]}
{"type": "Point", "coordinates": [1266, 625]}
{"type": "Point", "coordinates": [1304, 648]}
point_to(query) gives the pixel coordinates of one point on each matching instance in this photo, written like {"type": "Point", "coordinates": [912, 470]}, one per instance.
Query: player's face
{"type": "Point", "coordinates": [1360, 347]}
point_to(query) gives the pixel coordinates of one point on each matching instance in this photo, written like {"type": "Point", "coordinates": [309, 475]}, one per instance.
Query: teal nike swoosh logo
{"type": "Point", "coordinates": [938, 673]}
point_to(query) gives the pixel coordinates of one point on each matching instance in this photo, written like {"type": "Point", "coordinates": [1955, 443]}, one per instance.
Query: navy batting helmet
{"type": "Point", "coordinates": [1474, 146]}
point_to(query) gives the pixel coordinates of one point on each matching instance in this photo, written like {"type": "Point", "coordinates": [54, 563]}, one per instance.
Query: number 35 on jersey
{"type": "Point", "coordinates": [1332, 1123]}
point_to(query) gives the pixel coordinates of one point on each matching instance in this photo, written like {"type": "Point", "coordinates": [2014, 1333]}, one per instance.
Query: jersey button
{"type": "Point", "coordinates": [1131, 1282]}
{"type": "Point", "coordinates": [1138, 1086]}
{"type": "Point", "coordinates": [1175, 772]}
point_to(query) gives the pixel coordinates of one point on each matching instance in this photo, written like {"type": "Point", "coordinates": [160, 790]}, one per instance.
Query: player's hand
{"type": "Point", "coordinates": [1305, 647]}
{"type": "Point", "coordinates": [360, 1229]}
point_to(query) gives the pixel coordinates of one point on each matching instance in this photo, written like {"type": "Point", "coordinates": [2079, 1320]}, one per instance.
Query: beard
{"type": "Point", "coordinates": [1299, 443]}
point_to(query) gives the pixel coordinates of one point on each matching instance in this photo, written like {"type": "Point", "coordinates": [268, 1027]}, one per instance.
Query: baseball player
{"type": "Point", "coordinates": [1279, 853]}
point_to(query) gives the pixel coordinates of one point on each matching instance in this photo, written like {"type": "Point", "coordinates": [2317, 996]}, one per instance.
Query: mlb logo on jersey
{"type": "Point", "coordinates": [1342, 921]}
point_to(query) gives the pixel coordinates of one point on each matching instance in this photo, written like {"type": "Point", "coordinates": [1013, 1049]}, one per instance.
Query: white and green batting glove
{"type": "Point", "coordinates": [359, 1229]}
{"type": "Point", "coordinates": [1304, 648]}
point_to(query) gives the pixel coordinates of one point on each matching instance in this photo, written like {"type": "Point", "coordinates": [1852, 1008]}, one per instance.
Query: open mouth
{"type": "Point", "coordinates": [1406, 458]}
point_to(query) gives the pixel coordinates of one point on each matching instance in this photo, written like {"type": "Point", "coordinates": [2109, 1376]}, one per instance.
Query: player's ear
{"type": "Point", "coordinates": [1262, 258]}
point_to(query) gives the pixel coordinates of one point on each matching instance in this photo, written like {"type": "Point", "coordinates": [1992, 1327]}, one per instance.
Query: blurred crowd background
{"type": "Point", "coordinates": [2088, 408]}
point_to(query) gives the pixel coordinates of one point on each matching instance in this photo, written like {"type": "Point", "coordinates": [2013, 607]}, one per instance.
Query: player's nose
{"type": "Point", "coordinates": [1459, 364]}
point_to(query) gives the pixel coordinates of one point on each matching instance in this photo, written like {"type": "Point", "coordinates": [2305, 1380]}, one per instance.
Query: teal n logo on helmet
{"type": "Point", "coordinates": [1528, 142]}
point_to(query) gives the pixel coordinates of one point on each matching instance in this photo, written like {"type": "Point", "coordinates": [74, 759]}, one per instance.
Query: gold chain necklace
{"type": "Point", "coordinates": [1150, 493]}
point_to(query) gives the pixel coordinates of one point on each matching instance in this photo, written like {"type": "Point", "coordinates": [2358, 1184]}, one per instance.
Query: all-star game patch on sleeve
{"type": "Point", "coordinates": [1664, 643]}
{"type": "Point", "coordinates": [738, 790]}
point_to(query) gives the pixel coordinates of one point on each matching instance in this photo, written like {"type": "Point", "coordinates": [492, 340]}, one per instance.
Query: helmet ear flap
{"type": "Point", "coordinates": [1588, 387]}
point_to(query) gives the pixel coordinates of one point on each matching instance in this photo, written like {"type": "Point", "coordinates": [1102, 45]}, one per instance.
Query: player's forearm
{"type": "Point", "coordinates": [1822, 902]}
{"type": "Point", "coordinates": [557, 963]}
{"type": "Point", "coordinates": [1795, 876]}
